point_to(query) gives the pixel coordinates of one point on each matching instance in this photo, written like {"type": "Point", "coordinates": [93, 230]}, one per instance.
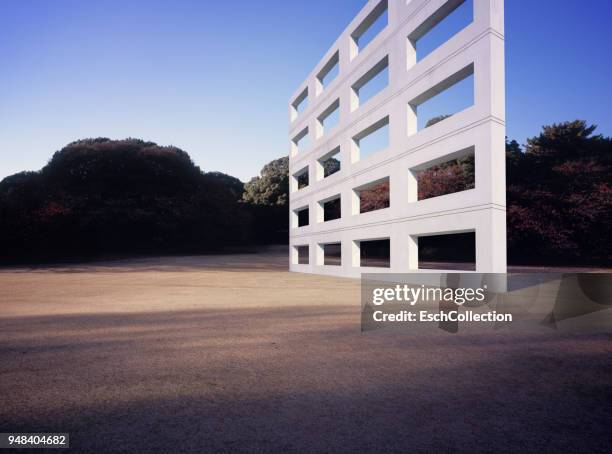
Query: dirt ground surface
{"type": "Point", "coordinates": [235, 354]}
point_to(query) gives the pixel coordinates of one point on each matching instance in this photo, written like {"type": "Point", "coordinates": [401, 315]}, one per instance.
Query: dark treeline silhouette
{"type": "Point", "coordinates": [559, 196]}
{"type": "Point", "coordinates": [101, 196]}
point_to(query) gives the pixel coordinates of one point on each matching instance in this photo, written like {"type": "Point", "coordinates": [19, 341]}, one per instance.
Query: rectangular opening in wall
{"type": "Point", "coordinates": [302, 254]}
{"type": "Point", "coordinates": [299, 104]}
{"type": "Point", "coordinates": [332, 209]}
{"type": "Point", "coordinates": [332, 254]}
{"type": "Point", "coordinates": [329, 164]}
{"type": "Point", "coordinates": [446, 22]}
{"type": "Point", "coordinates": [373, 196]}
{"type": "Point", "coordinates": [443, 100]}
{"type": "Point", "coordinates": [329, 72]}
{"type": "Point", "coordinates": [301, 178]}
{"type": "Point", "coordinates": [451, 251]}
{"type": "Point", "coordinates": [371, 83]}
{"type": "Point", "coordinates": [369, 28]}
{"type": "Point", "coordinates": [329, 117]}
{"type": "Point", "coordinates": [447, 175]}
{"type": "Point", "coordinates": [302, 216]}
{"type": "Point", "coordinates": [371, 140]}
{"type": "Point", "coordinates": [300, 141]}
{"type": "Point", "coordinates": [375, 253]}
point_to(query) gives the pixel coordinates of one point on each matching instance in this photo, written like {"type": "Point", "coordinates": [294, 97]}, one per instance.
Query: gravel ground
{"type": "Point", "coordinates": [234, 354]}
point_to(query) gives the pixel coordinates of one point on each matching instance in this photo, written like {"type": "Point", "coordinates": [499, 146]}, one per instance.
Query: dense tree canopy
{"type": "Point", "coordinates": [560, 196]}
{"type": "Point", "coordinates": [272, 187]}
{"type": "Point", "coordinates": [266, 198]}
{"type": "Point", "coordinates": [118, 196]}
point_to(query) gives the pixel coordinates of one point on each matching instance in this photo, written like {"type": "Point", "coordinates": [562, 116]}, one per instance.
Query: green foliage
{"type": "Point", "coordinates": [330, 166]}
{"type": "Point", "coordinates": [267, 200]}
{"type": "Point", "coordinates": [272, 187]}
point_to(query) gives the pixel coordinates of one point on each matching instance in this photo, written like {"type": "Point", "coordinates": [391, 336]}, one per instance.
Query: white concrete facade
{"type": "Point", "coordinates": [480, 129]}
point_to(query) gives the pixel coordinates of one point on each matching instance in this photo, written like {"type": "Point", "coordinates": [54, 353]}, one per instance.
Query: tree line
{"type": "Point", "coordinates": [102, 197]}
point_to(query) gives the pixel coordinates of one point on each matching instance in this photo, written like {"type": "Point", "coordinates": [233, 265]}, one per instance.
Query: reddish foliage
{"type": "Point", "coordinates": [375, 197]}
{"type": "Point", "coordinates": [52, 210]}
{"type": "Point", "coordinates": [559, 197]}
{"type": "Point", "coordinates": [444, 179]}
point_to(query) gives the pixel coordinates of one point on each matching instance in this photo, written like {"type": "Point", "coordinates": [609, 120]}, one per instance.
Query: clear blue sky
{"type": "Point", "coordinates": [214, 78]}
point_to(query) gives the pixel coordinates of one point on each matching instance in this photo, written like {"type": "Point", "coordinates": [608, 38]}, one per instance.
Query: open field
{"type": "Point", "coordinates": [233, 353]}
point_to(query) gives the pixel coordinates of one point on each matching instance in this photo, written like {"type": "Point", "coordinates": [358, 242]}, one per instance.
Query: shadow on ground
{"type": "Point", "coordinates": [298, 379]}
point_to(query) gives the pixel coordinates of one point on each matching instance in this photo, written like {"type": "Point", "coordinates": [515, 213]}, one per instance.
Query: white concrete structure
{"type": "Point", "coordinates": [476, 49]}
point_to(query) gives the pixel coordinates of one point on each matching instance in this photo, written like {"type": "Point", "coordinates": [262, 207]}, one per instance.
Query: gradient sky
{"type": "Point", "coordinates": [214, 78]}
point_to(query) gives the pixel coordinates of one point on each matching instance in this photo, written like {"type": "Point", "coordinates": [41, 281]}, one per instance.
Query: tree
{"type": "Point", "coordinates": [560, 196]}
{"type": "Point", "coordinates": [330, 166]}
{"type": "Point", "coordinates": [438, 119]}
{"type": "Point", "coordinates": [272, 187]}
{"type": "Point", "coordinates": [445, 178]}
{"type": "Point", "coordinates": [267, 199]}
{"type": "Point", "coordinates": [101, 196]}
{"type": "Point", "coordinates": [513, 153]}
{"type": "Point", "coordinates": [375, 197]}
{"type": "Point", "coordinates": [233, 184]}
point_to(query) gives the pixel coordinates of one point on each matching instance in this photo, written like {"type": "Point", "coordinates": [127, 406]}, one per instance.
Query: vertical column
{"type": "Point", "coordinates": [293, 254]}
{"type": "Point", "coordinates": [412, 186]}
{"type": "Point", "coordinates": [399, 251]}
{"type": "Point", "coordinates": [346, 99]}
{"type": "Point", "coordinates": [355, 202]}
{"type": "Point", "coordinates": [491, 242]}
{"type": "Point", "coordinates": [318, 206]}
{"type": "Point", "coordinates": [489, 14]}
{"type": "Point", "coordinates": [394, 12]}
{"type": "Point", "coordinates": [292, 181]}
{"type": "Point", "coordinates": [398, 123]}
{"type": "Point", "coordinates": [489, 98]}
{"type": "Point", "coordinates": [355, 253]}
{"type": "Point", "coordinates": [398, 191]}
{"type": "Point", "coordinates": [312, 255]}
{"type": "Point", "coordinates": [320, 254]}
{"type": "Point", "coordinates": [346, 201]}
{"type": "Point", "coordinates": [347, 254]}
{"type": "Point", "coordinates": [413, 252]}
{"type": "Point", "coordinates": [344, 60]}
{"type": "Point", "coordinates": [489, 95]}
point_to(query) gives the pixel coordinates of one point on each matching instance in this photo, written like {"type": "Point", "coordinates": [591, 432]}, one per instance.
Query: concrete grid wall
{"type": "Point", "coordinates": [479, 47]}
